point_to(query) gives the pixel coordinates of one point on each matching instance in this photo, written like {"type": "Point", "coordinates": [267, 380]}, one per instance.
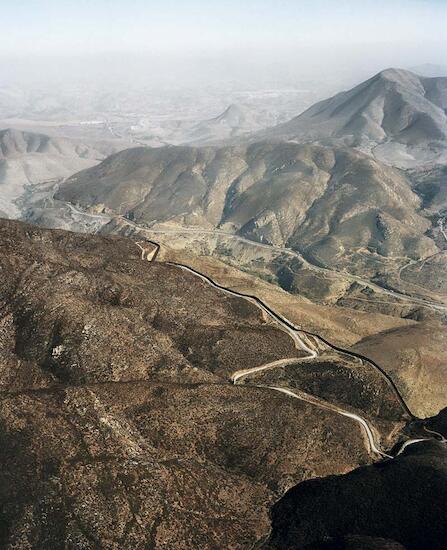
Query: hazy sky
{"type": "Point", "coordinates": [361, 34]}
{"type": "Point", "coordinates": [74, 26]}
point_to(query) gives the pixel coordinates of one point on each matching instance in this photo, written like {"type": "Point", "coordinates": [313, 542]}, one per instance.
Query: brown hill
{"type": "Point", "coordinates": [416, 356]}
{"type": "Point", "coordinates": [397, 504]}
{"type": "Point", "coordinates": [118, 426]}
{"type": "Point", "coordinates": [333, 205]}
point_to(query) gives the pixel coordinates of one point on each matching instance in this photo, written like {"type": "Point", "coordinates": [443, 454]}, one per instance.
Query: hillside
{"type": "Point", "coordinates": [342, 326]}
{"type": "Point", "coordinates": [337, 207]}
{"type": "Point", "coordinates": [236, 121]}
{"type": "Point", "coordinates": [397, 115]}
{"type": "Point", "coordinates": [416, 356]}
{"type": "Point", "coordinates": [115, 403]}
{"type": "Point", "coordinates": [389, 506]}
{"type": "Point", "coordinates": [27, 158]}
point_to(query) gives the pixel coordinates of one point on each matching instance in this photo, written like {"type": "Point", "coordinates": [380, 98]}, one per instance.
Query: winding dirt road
{"type": "Point", "coordinates": [300, 342]}
{"type": "Point", "coordinates": [278, 319]}
{"type": "Point", "coordinates": [240, 374]}
{"type": "Point", "coordinates": [212, 232]}
{"type": "Point", "coordinates": [329, 406]}
{"type": "Point", "coordinates": [300, 337]}
{"type": "Point", "coordinates": [295, 331]}
{"type": "Point", "coordinates": [354, 278]}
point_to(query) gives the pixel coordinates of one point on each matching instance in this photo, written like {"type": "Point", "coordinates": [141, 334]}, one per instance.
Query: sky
{"type": "Point", "coordinates": [83, 26]}
{"type": "Point", "coordinates": [235, 33]}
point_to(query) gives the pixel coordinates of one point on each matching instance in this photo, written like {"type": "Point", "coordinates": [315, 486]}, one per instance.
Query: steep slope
{"type": "Point", "coordinates": [416, 356]}
{"type": "Point", "coordinates": [115, 404]}
{"type": "Point", "coordinates": [27, 158]}
{"type": "Point", "coordinates": [52, 316]}
{"type": "Point", "coordinates": [397, 114]}
{"type": "Point", "coordinates": [331, 204]}
{"type": "Point", "coordinates": [431, 186]}
{"type": "Point", "coordinates": [402, 500]}
{"type": "Point", "coordinates": [342, 326]}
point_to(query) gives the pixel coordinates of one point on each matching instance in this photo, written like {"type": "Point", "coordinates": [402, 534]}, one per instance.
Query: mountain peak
{"type": "Point", "coordinates": [395, 72]}
{"type": "Point", "coordinates": [395, 106]}
{"type": "Point", "coordinates": [398, 76]}
{"type": "Point", "coordinates": [232, 109]}
{"type": "Point", "coordinates": [233, 115]}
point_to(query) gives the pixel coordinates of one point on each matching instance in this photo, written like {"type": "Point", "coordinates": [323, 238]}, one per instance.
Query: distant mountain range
{"type": "Point", "coordinates": [320, 184]}
{"type": "Point", "coordinates": [14, 143]}
{"type": "Point", "coordinates": [27, 157]}
{"type": "Point", "coordinates": [233, 121]}
{"type": "Point", "coordinates": [397, 115]}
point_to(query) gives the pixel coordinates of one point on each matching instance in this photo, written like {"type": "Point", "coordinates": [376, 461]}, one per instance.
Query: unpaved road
{"type": "Point", "coordinates": [354, 278]}
{"type": "Point", "coordinates": [216, 232]}
{"type": "Point", "coordinates": [300, 342]}
{"type": "Point", "coordinates": [285, 324]}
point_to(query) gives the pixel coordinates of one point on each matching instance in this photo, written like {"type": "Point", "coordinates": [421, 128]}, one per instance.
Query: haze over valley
{"type": "Point", "coordinates": [223, 248]}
